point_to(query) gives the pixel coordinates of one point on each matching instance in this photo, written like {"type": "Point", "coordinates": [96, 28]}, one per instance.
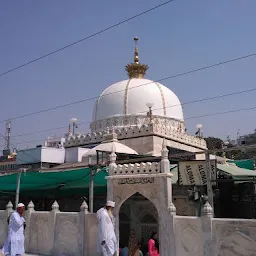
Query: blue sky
{"type": "Point", "coordinates": [181, 36]}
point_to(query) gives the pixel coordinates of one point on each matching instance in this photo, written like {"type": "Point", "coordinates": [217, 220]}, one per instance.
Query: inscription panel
{"type": "Point", "coordinates": [132, 181]}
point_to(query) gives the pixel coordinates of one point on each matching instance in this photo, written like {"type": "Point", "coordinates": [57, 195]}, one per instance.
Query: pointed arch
{"type": "Point", "coordinates": [128, 194]}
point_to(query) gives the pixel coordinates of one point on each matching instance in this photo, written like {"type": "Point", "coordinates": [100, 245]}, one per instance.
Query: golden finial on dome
{"type": "Point", "coordinates": [136, 51]}
{"type": "Point", "coordinates": [135, 69]}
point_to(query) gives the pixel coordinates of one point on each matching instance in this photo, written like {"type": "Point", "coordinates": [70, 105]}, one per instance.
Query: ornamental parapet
{"type": "Point", "coordinates": [168, 128]}
{"type": "Point", "coordinates": [136, 120]}
{"type": "Point", "coordinates": [137, 168]}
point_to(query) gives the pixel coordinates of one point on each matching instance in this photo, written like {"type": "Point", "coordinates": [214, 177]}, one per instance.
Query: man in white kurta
{"type": "Point", "coordinates": [107, 242]}
{"type": "Point", "coordinates": [14, 244]}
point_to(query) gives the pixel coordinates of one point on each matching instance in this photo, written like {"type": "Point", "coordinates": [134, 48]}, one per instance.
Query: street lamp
{"type": "Point", "coordinates": [74, 123]}
{"type": "Point", "coordinates": [225, 145]}
{"type": "Point", "coordinates": [149, 113]}
{"type": "Point", "coordinates": [199, 128]}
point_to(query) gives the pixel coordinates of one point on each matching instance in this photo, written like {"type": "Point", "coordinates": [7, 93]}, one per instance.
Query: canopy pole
{"type": "Point", "coordinates": [17, 189]}
{"type": "Point", "coordinates": [91, 185]}
{"type": "Point", "coordinates": [208, 175]}
{"type": "Point", "coordinates": [91, 190]}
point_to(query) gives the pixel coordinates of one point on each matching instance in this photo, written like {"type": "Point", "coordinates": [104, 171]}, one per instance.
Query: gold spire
{"type": "Point", "coordinates": [135, 69]}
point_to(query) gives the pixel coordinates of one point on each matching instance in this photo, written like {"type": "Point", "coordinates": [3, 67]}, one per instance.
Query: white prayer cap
{"type": "Point", "coordinates": [110, 203]}
{"type": "Point", "coordinates": [20, 205]}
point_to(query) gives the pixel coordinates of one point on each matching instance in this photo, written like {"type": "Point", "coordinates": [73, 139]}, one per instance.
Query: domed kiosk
{"type": "Point", "coordinates": [128, 102]}
{"type": "Point", "coordinates": [141, 112]}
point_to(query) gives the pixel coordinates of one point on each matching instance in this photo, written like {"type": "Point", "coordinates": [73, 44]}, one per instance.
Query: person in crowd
{"type": "Point", "coordinates": [107, 242]}
{"type": "Point", "coordinates": [153, 245]}
{"type": "Point", "coordinates": [134, 245]}
{"type": "Point", "coordinates": [124, 251]}
{"type": "Point", "coordinates": [138, 251]}
{"type": "Point", "coordinates": [14, 243]}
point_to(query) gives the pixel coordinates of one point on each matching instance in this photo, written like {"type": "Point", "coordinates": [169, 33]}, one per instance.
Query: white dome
{"type": "Point", "coordinates": [130, 97]}
{"type": "Point", "coordinates": [108, 146]}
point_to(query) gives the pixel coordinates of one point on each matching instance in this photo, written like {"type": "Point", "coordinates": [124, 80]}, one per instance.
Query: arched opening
{"type": "Point", "coordinates": [137, 214]}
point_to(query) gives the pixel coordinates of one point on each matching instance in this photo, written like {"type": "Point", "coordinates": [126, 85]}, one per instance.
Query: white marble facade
{"type": "Point", "coordinates": [144, 139]}
{"type": "Point", "coordinates": [75, 234]}
{"type": "Point", "coordinates": [141, 112]}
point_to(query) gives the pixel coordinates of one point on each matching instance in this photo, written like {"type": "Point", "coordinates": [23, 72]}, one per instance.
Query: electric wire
{"type": "Point", "coordinates": [86, 38]}
{"type": "Point", "coordinates": [194, 117]}
{"type": "Point", "coordinates": [155, 81]}
{"type": "Point", "coordinates": [153, 109]}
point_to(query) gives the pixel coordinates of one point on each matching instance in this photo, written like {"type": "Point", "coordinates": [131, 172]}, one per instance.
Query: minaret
{"type": "Point", "coordinates": [135, 69]}
{"type": "Point", "coordinates": [69, 130]}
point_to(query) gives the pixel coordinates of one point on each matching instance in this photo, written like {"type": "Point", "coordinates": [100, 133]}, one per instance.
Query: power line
{"type": "Point", "coordinates": [159, 80]}
{"type": "Point", "coordinates": [194, 117]}
{"type": "Point", "coordinates": [181, 104]}
{"type": "Point", "coordinates": [85, 38]}
{"type": "Point", "coordinates": [222, 113]}
{"type": "Point", "coordinates": [41, 131]}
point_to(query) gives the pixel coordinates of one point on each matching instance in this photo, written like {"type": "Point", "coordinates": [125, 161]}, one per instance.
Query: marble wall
{"type": "Point", "coordinates": [56, 233]}
{"type": "Point", "coordinates": [75, 234]}
{"type": "Point", "coordinates": [66, 239]}
{"type": "Point", "coordinates": [188, 240]}
{"type": "Point", "coordinates": [3, 222]}
{"type": "Point", "coordinates": [234, 237]}
{"type": "Point", "coordinates": [41, 224]}
{"type": "Point", "coordinates": [3, 229]}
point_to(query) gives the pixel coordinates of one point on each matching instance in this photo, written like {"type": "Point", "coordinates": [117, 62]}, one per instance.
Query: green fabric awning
{"type": "Point", "coordinates": [77, 181]}
{"type": "Point", "coordinates": [61, 180]}
{"type": "Point", "coordinates": [174, 171]}
{"type": "Point", "coordinates": [71, 182]}
{"type": "Point", "coordinates": [237, 173]}
{"type": "Point", "coordinates": [245, 164]}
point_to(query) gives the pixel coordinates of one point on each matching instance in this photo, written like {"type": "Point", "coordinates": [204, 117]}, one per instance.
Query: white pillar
{"type": "Point", "coordinates": [112, 159]}
{"type": "Point", "coordinates": [206, 220]}
{"type": "Point", "coordinates": [9, 208]}
{"type": "Point", "coordinates": [54, 211]}
{"type": "Point", "coordinates": [30, 209]}
{"type": "Point", "coordinates": [83, 246]}
{"type": "Point", "coordinates": [111, 170]}
{"type": "Point", "coordinates": [165, 163]}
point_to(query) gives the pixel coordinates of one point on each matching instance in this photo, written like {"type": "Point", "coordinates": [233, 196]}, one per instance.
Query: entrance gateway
{"type": "Point", "coordinates": [151, 180]}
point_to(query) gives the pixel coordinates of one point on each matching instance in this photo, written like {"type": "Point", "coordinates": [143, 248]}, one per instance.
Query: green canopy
{"type": "Point", "coordinates": [61, 180]}
{"type": "Point", "coordinates": [237, 173]}
{"type": "Point", "coordinates": [71, 182]}
{"type": "Point", "coordinates": [245, 164]}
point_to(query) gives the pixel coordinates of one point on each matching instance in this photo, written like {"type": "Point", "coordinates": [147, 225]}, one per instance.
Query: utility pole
{"type": "Point", "coordinates": [7, 151]}
{"type": "Point", "coordinates": [253, 199]}
{"type": "Point", "coordinates": [8, 135]}
{"type": "Point", "coordinates": [17, 198]}
{"type": "Point", "coordinates": [209, 178]}
{"type": "Point", "coordinates": [17, 195]}
{"type": "Point", "coordinates": [91, 190]}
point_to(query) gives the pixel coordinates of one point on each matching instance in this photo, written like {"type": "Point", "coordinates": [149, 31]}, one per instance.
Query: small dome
{"type": "Point", "coordinates": [130, 97]}
{"type": "Point", "coordinates": [108, 146]}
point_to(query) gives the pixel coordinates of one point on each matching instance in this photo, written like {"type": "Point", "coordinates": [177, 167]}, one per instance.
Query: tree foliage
{"type": "Point", "coordinates": [214, 143]}
{"type": "Point", "coordinates": [217, 143]}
